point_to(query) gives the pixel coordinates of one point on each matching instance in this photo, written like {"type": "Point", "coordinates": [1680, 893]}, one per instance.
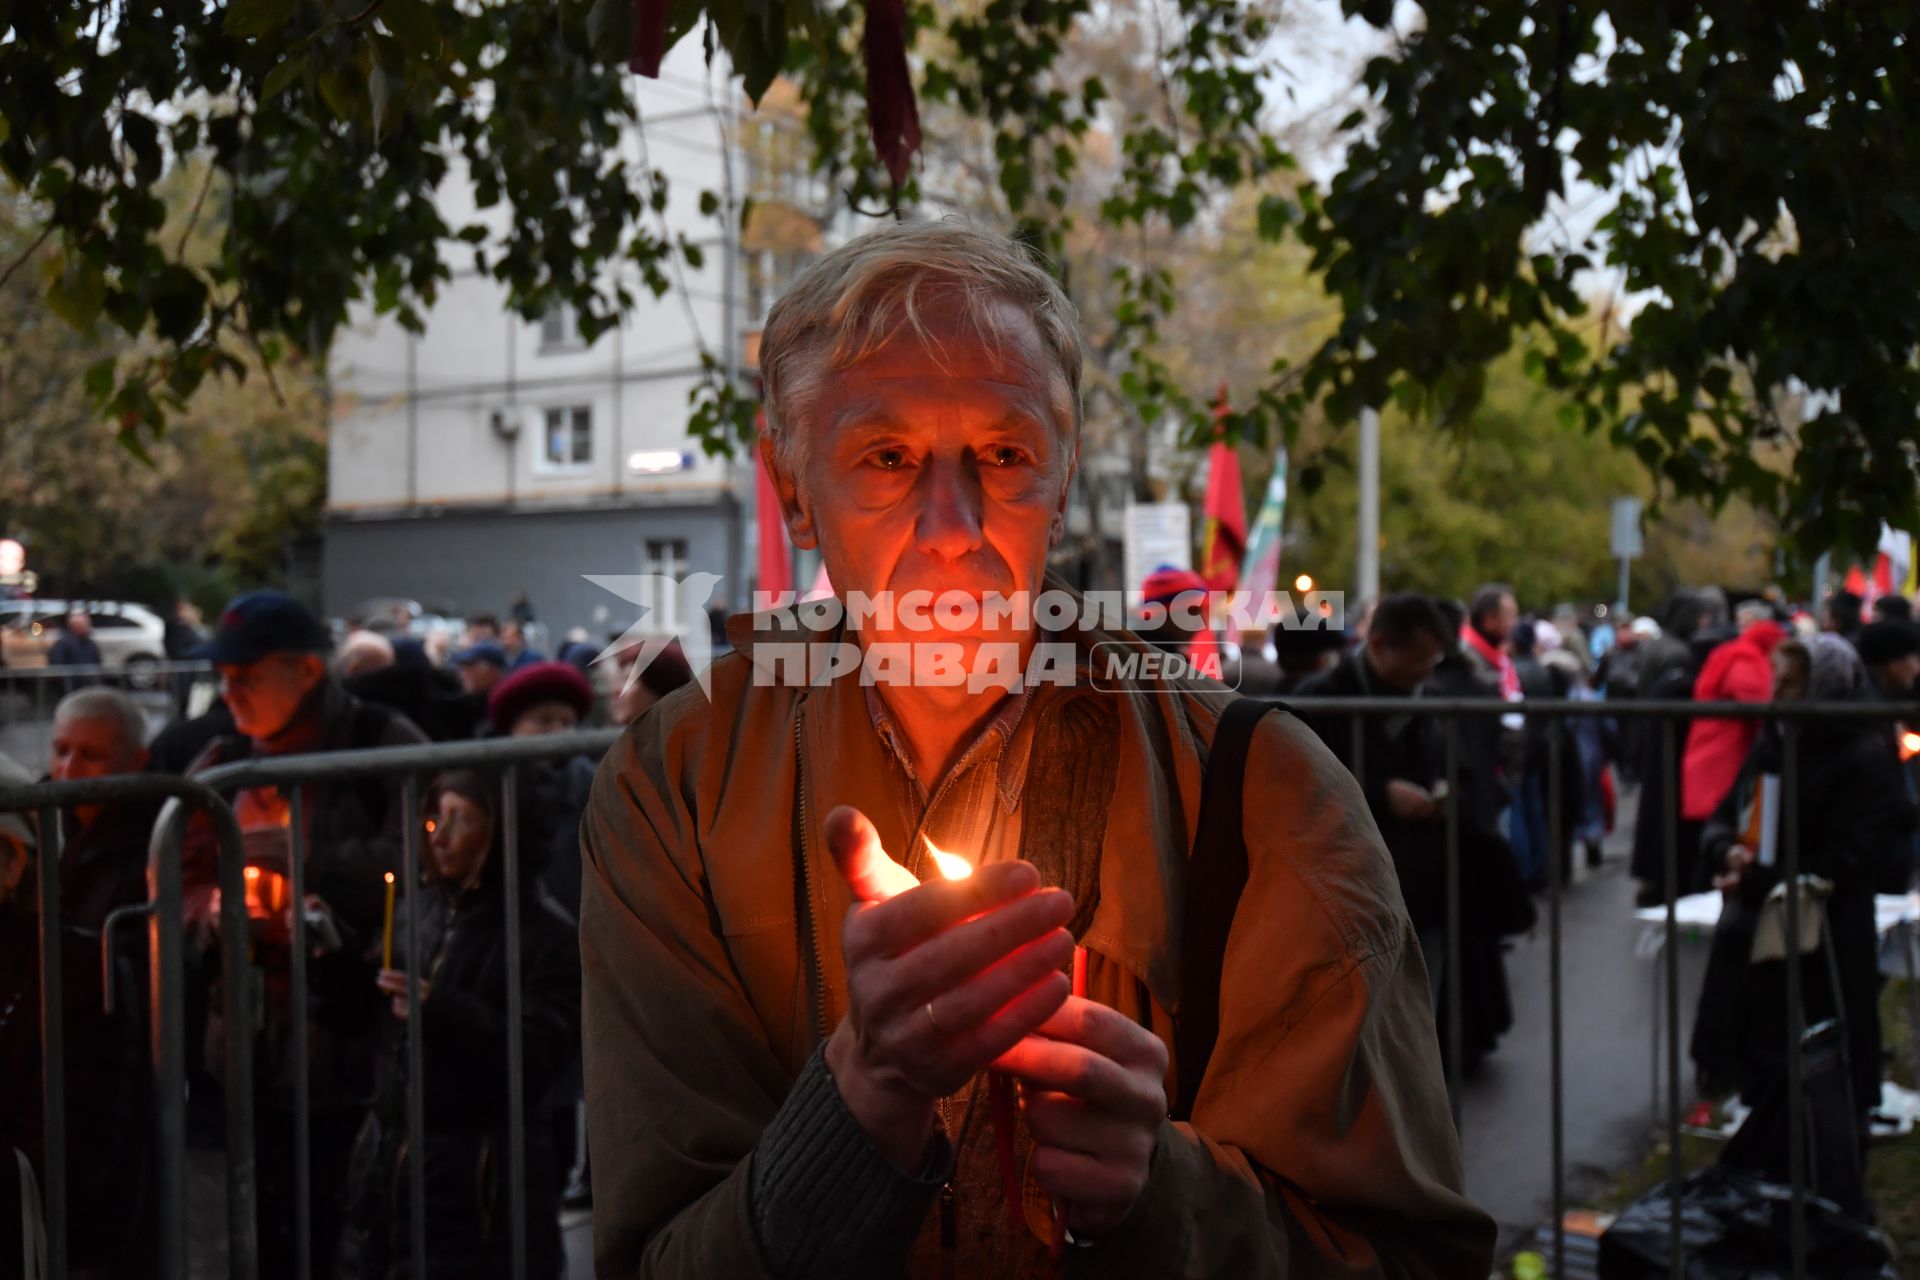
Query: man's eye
{"type": "Point", "coordinates": [1005, 456]}
{"type": "Point", "coordinates": [888, 459]}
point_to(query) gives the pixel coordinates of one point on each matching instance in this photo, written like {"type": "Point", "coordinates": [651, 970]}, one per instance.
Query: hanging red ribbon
{"type": "Point", "coordinates": [893, 114]}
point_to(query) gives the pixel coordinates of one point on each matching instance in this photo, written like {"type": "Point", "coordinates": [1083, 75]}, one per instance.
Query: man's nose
{"type": "Point", "coordinates": [948, 525]}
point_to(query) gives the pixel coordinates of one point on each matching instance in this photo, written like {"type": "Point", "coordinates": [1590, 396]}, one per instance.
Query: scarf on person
{"type": "Point", "coordinates": [1495, 658]}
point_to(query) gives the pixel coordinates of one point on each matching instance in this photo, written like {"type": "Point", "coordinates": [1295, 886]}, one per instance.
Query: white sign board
{"type": "Point", "coordinates": [1157, 533]}
{"type": "Point", "coordinates": [1626, 528]}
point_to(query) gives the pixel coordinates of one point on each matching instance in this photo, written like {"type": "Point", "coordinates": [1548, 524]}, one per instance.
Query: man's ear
{"type": "Point", "coordinates": [800, 530]}
{"type": "Point", "coordinates": [1057, 530]}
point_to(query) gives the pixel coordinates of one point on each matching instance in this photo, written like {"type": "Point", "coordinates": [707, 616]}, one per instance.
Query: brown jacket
{"type": "Point", "coordinates": [1321, 1142]}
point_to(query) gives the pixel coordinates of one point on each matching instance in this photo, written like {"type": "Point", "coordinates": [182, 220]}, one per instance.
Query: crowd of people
{"type": "Point", "coordinates": [287, 686]}
{"type": "Point", "coordinates": [1852, 803]}
{"type": "Point", "coordinates": [940, 978]}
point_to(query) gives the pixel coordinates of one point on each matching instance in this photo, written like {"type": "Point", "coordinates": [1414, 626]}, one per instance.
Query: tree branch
{"type": "Point", "coordinates": [25, 254]}
{"type": "Point", "coordinates": [193, 217]}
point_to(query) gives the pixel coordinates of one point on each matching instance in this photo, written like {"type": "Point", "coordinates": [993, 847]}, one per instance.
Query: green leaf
{"type": "Point", "coordinates": [76, 291]}
{"type": "Point", "coordinates": [709, 204]}
{"type": "Point", "coordinates": [380, 88]}
{"type": "Point", "coordinates": [100, 378]}
{"type": "Point", "coordinates": [289, 70]}
{"type": "Point", "coordinates": [143, 139]}
{"type": "Point", "coordinates": [413, 25]}
{"type": "Point", "coordinates": [249, 18]}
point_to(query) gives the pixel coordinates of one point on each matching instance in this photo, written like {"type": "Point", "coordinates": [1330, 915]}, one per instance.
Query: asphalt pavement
{"type": "Point", "coordinates": [1610, 1008]}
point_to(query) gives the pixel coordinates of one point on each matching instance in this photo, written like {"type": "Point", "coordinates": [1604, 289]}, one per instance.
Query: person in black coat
{"type": "Point", "coordinates": [1668, 670]}
{"type": "Point", "coordinates": [1854, 822]}
{"type": "Point", "coordinates": [108, 1115]}
{"type": "Point", "coordinates": [463, 962]}
{"type": "Point", "coordinates": [1402, 770]}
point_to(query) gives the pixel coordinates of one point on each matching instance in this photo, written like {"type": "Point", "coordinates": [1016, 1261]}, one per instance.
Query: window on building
{"type": "Point", "coordinates": [666, 557]}
{"type": "Point", "coordinates": [560, 329]}
{"type": "Point", "coordinates": [567, 441]}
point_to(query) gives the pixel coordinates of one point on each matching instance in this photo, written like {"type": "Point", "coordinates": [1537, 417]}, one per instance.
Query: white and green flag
{"type": "Point", "coordinates": [1261, 569]}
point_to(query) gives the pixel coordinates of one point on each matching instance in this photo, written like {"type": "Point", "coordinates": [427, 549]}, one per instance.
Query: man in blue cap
{"type": "Point", "coordinates": [271, 653]}
{"type": "Point", "coordinates": [481, 665]}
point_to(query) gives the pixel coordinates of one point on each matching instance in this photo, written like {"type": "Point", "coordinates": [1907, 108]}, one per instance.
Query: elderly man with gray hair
{"type": "Point", "coordinates": [103, 849]}
{"type": "Point", "coordinates": [827, 919]}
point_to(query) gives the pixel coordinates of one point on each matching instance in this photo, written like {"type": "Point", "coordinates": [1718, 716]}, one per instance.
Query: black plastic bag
{"type": "Point", "coordinates": [1734, 1226]}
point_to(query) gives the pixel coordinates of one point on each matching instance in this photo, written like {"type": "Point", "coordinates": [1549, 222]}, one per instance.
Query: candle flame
{"type": "Point", "coordinates": [389, 877]}
{"type": "Point", "coordinates": [253, 873]}
{"type": "Point", "coordinates": [950, 865]}
{"type": "Point", "coordinates": [1909, 745]}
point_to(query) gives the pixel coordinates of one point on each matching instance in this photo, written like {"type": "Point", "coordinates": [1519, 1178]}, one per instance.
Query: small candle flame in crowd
{"type": "Point", "coordinates": [386, 929]}
{"type": "Point", "coordinates": [1909, 745]}
{"type": "Point", "coordinates": [950, 865]}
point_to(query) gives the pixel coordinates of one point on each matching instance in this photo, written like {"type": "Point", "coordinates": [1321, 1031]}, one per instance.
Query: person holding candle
{"type": "Point", "coordinates": [463, 960]}
{"type": "Point", "coordinates": [271, 653]}
{"type": "Point", "coordinates": [790, 1016]}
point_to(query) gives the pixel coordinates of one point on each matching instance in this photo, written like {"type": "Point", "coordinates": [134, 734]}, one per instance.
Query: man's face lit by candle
{"type": "Point", "coordinates": [935, 470]}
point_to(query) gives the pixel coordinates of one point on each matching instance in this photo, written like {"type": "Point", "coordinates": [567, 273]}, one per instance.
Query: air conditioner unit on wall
{"type": "Point", "coordinates": [505, 423]}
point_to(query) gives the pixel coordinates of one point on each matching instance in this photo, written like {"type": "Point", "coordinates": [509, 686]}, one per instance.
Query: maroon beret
{"type": "Point", "coordinates": [534, 684]}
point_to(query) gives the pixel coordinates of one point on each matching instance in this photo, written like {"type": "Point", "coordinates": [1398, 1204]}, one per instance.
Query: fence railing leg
{"type": "Point", "coordinates": [166, 957]}
{"type": "Point", "coordinates": [1676, 1164]}
{"type": "Point", "coordinates": [516, 1047]}
{"type": "Point", "coordinates": [297, 1025]}
{"type": "Point", "coordinates": [416, 1068]}
{"type": "Point", "coordinates": [1556, 1087]}
{"type": "Point", "coordinates": [1453, 985]}
{"type": "Point", "coordinates": [53, 1042]}
{"type": "Point", "coordinates": [239, 1009]}
{"type": "Point", "coordinates": [1796, 1006]}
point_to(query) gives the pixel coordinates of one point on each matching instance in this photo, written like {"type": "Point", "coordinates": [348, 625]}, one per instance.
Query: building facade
{"type": "Point", "coordinates": [493, 454]}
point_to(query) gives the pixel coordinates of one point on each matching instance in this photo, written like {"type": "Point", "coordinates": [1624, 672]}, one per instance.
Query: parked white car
{"type": "Point", "coordinates": [129, 635]}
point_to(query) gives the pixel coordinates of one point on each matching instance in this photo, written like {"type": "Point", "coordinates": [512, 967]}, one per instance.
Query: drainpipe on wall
{"type": "Point", "coordinates": [413, 421]}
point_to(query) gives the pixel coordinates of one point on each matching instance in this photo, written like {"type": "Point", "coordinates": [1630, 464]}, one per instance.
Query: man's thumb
{"type": "Point", "coordinates": [856, 849]}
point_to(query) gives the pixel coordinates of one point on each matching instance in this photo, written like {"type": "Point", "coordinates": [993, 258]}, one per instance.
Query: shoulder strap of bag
{"type": "Point", "coordinates": [1216, 876]}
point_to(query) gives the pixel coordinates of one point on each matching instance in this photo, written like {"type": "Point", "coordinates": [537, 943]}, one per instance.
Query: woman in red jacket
{"type": "Point", "coordinates": [1741, 670]}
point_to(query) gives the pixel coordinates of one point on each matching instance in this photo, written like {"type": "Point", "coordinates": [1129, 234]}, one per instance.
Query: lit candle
{"type": "Point", "coordinates": [950, 865]}
{"type": "Point", "coordinates": [386, 945]}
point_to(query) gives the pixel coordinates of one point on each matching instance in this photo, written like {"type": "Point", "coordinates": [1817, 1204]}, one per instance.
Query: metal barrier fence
{"type": "Point", "coordinates": [166, 949]}
{"type": "Point", "coordinates": [32, 693]}
{"type": "Point", "coordinates": [205, 792]}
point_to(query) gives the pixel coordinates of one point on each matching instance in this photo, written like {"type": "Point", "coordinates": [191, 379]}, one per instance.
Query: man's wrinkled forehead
{"type": "Point", "coordinates": [1006, 360]}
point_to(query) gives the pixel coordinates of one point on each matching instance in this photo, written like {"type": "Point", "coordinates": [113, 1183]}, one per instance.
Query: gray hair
{"type": "Point", "coordinates": [363, 651]}
{"type": "Point", "coordinates": [106, 704]}
{"type": "Point", "coordinates": [854, 300]}
{"type": "Point", "coordinates": [1834, 670]}
{"type": "Point", "coordinates": [1752, 611]}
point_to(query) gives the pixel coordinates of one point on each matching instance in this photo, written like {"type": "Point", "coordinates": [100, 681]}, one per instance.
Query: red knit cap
{"type": "Point", "coordinates": [534, 684]}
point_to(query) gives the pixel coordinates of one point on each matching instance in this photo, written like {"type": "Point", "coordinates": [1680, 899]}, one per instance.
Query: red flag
{"type": "Point", "coordinates": [776, 558]}
{"type": "Point", "coordinates": [1225, 541]}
